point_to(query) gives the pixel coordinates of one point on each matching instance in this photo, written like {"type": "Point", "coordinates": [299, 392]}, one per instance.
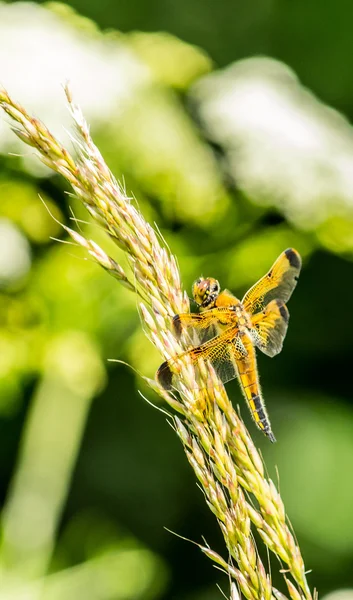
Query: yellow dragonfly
{"type": "Point", "coordinates": [228, 330]}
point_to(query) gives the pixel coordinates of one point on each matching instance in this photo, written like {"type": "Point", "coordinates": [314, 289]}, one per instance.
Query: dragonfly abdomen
{"type": "Point", "coordinates": [251, 388]}
{"type": "Point", "coordinates": [259, 413]}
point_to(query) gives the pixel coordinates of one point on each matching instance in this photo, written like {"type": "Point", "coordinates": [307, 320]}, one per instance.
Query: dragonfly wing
{"type": "Point", "coordinates": [202, 327]}
{"type": "Point", "coordinates": [164, 375]}
{"type": "Point", "coordinates": [278, 283]}
{"type": "Point", "coordinates": [222, 352]}
{"type": "Point", "coordinates": [270, 327]}
{"type": "Point", "coordinates": [224, 358]}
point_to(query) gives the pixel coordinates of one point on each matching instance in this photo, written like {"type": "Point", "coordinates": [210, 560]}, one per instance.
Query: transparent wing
{"type": "Point", "coordinates": [278, 283]}
{"type": "Point", "coordinates": [270, 327]}
{"type": "Point", "coordinates": [222, 352]}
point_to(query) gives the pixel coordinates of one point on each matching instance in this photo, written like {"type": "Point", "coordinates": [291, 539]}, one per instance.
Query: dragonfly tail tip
{"type": "Point", "coordinates": [271, 437]}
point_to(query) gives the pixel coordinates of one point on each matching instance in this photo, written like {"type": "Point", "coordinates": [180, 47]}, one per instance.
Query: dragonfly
{"type": "Point", "coordinates": [229, 330]}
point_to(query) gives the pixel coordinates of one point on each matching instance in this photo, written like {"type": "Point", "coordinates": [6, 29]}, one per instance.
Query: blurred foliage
{"type": "Point", "coordinates": [233, 165]}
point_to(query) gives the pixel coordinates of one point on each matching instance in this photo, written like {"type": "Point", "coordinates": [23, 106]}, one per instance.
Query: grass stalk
{"type": "Point", "coordinates": [217, 444]}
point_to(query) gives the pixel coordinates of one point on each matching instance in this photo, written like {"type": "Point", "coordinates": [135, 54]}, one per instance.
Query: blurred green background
{"type": "Point", "coordinates": [230, 123]}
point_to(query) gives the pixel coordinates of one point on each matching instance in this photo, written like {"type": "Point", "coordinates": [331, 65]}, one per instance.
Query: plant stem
{"type": "Point", "coordinates": [216, 442]}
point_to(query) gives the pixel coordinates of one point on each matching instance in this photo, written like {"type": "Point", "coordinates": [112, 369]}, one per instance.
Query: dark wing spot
{"type": "Point", "coordinates": [177, 325]}
{"type": "Point", "coordinates": [164, 376]}
{"type": "Point", "coordinates": [293, 258]}
{"type": "Point", "coordinates": [197, 350]}
{"type": "Point", "coordinates": [283, 311]}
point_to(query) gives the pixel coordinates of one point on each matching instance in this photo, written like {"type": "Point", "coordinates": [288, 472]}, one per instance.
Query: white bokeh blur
{"type": "Point", "coordinates": [284, 147]}
{"type": "Point", "coordinates": [121, 93]}
{"type": "Point", "coordinates": [41, 51]}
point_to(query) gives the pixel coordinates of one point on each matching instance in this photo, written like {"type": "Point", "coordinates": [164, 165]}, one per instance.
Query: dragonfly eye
{"type": "Point", "coordinates": [205, 291]}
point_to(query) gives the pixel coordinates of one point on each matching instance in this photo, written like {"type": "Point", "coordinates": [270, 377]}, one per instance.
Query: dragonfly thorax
{"type": "Point", "coordinates": [243, 318]}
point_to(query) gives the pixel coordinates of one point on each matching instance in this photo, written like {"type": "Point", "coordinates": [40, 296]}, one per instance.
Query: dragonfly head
{"type": "Point", "coordinates": [205, 291]}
